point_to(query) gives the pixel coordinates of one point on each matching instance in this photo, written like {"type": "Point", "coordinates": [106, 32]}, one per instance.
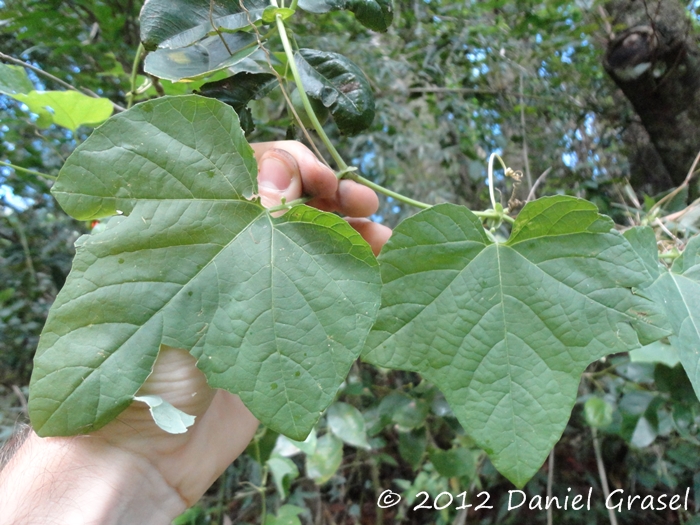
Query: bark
{"type": "Point", "coordinates": [655, 60]}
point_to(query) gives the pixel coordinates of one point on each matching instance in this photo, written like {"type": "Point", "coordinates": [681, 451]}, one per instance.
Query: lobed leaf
{"type": "Point", "coordinates": [505, 330]}
{"type": "Point", "coordinates": [274, 309]}
{"type": "Point", "coordinates": [340, 85]}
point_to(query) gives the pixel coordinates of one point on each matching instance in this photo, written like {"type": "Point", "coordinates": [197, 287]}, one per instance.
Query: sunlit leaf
{"type": "Point", "coordinates": [69, 109]}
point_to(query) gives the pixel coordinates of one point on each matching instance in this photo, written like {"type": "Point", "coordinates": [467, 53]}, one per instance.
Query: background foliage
{"type": "Point", "coordinates": [454, 81]}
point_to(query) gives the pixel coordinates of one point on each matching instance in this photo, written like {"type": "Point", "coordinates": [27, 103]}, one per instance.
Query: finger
{"type": "Point", "coordinates": [317, 179]}
{"type": "Point", "coordinates": [279, 177]}
{"type": "Point", "coordinates": [375, 234]}
{"type": "Point", "coordinates": [351, 199]}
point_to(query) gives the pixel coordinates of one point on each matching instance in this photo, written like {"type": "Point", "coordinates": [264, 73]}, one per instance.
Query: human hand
{"type": "Point", "coordinates": [133, 466]}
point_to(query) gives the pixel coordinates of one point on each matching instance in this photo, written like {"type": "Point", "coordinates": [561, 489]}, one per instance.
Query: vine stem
{"type": "Point", "coordinates": [134, 75]}
{"type": "Point", "coordinates": [351, 175]}
{"type": "Point", "coordinates": [30, 172]}
{"type": "Point", "coordinates": [286, 44]}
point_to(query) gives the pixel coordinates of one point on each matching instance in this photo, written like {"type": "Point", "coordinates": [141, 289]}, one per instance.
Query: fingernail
{"type": "Point", "coordinates": [274, 174]}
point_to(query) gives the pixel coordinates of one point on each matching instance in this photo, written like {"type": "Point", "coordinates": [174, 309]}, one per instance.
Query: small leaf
{"type": "Point", "coordinates": [412, 445]}
{"type": "Point", "coordinates": [374, 14]}
{"type": "Point", "coordinates": [203, 58]}
{"type": "Point", "coordinates": [180, 23]}
{"type": "Point", "coordinates": [286, 515]}
{"type": "Point", "coordinates": [287, 448]}
{"type": "Point", "coordinates": [347, 423]}
{"type": "Point", "coordinates": [505, 330]}
{"type": "Point", "coordinates": [340, 85]}
{"type": "Point", "coordinates": [69, 109]}
{"type": "Point", "coordinates": [270, 14]}
{"type": "Point", "coordinates": [275, 310]}
{"type": "Point", "coordinates": [644, 433]}
{"type": "Point", "coordinates": [166, 416]}
{"type": "Point", "coordinates": [284, 471]}
{"type": "Point", "coordinates": [598, 412]}
{"type": "Point", "coordinates": [453, 463]}
{"type": "Point", "coordinates": [324, 462]}
{"type": "Point", "coordinates": [14, 79]}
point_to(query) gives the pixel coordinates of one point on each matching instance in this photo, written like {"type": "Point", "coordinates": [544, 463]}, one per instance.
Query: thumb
{"type": "Point", "coordinates": [278, 177]}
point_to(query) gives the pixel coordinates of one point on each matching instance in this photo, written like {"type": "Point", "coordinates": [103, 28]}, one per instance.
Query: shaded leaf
{"type": "Point", "coordinates": [286, 515]}
{"type": "Point", "coordinates": [374, 14]}
{"type": "Point", "coordinates": [347, 423]}
{"type": "Point", "coordinates": [505, 330]}
{"type": "Point", "coordinates": [456, 462]}
{"type": "Point", "coordinates": [656, 352]}
{"type": "Point", "coordinates": [412, 445]}
{"type": "Point", "coordinates": [274, 309]}
{"type": "Point", "coordinates": [69, 109]}
{"type": "Point", "coordinates": [284, 471]}
{"type": "Point", "coordinates": [166, 416]}
{"type": "Point", "coordinates": [180, 23]}
{"type": "Point", "coordinates": [207, 56]}
{"type": "Point", "coordinates": [237, 91]}
{"type": "Point", "coordinates": [598, 412]}
{"type": "Point", "coordinates": [324, 462]}
{"type": "Point", "coordinates": [340, 85]}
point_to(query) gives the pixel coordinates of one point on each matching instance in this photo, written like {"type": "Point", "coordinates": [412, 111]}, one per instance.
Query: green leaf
{"type": "Point", "coordinates": [374, 14]}
{"type": "Point", "coordinates": [166, 416]}
{"type": "Point", "coordinates": [14, 79]}
{"type": "Point", "coordinates": [656, 352]}
{"type": "Point", "coordinates": [598, 412]}
{"type": "Point", "coordinates": [237, 91]}
{"type": "Point", "coordinates": [324, 462]}
{"type": "Point", "coordinates": [453, 463]}
{"type": "Point", "coordinates": [274, 309]}
{"type": "Point", "coordinates": [286, 447]}
{"type": "Point", "coordinates": [180, 23]}
{"type": "Point", "coordinates": [286, 515]}
{"type": "Point", "coordinates": [203, 58]}
{"type": "Point", "coordinates": [347, 423]}
{"type": "Point", "coordinates": [270, 14]}
{"type": "Point", "coordinates": [505, 330]}
{"type": "Point", "coordinates": [69, 109]}
{"type": "Point", "coordinates": [412, 445]}
{"type": "Point", "coordinates": [340, 85]}
{"type": "Point", "coordinates": [284, 471]}
{"type": "Point", "coordinates": [678, 292]}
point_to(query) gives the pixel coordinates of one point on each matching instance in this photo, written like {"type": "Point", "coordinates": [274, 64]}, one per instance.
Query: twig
{"type": "Point", "coordinates": [66, 85]}
{"type": "Point", "coordinates": [25, 170]}
{"type": "Point", "coordinates": [603, 476]}
{"type": "Point", "coordinates": [20, 396]}
{"type": "Point", "coordinates": [537, 183]}
{"type": "Point", "coordinates": [684, 184]}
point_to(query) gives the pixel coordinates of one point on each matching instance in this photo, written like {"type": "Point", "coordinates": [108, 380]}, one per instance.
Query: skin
{"type": "Point", "coordinates": [131, 471]}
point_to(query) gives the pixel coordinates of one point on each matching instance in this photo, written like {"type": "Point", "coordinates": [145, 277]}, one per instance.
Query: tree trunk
{"type": "Point", "coordinates": [655, 61]}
